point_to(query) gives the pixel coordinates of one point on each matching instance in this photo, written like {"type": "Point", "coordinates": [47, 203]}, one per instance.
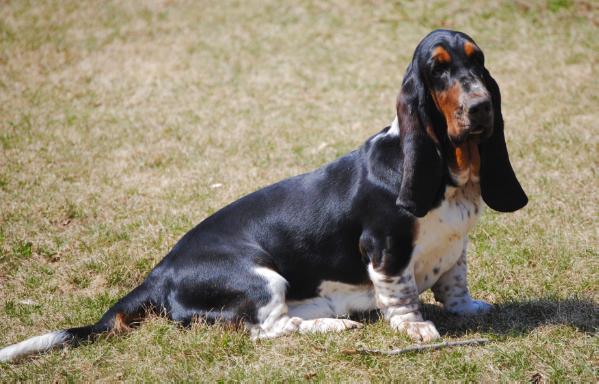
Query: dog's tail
{"type": "Point", "coordinates": [116, 320]}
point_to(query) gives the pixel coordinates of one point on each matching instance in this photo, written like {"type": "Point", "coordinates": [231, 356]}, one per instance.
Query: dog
{"type": "Point", "coordinates": [371, 230]}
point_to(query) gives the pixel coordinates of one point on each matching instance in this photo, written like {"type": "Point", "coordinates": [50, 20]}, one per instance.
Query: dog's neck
{"type": "Point", "coordinates": [464, 164]}
{"type": "Point", "coordinates": [383, 151]}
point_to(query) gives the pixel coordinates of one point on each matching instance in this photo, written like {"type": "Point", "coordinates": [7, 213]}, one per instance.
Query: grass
{"type": "Point", "coordinates": [122, 124]}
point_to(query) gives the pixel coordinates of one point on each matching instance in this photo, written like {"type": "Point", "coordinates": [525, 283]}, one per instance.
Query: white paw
{"type": "Point", "coordinates": [328, 325]}
{"type": "Point", "coordinates": [424, 331]}
{"type": "Point", "coordinates": [468, 307]}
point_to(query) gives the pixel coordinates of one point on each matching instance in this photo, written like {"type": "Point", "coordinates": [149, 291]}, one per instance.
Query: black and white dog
{"type": "Point", "coordinates": [372, 229]}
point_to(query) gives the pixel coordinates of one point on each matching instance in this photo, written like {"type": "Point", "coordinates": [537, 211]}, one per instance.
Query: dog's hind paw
{"type": "Point", "coordinates": [328, 325]}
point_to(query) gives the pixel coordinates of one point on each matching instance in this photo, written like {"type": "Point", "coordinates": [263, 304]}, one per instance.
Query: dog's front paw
{"type": "Point", "coordinates": [468, 307]}
{"type": "Point", "coordinates": [420, 331]}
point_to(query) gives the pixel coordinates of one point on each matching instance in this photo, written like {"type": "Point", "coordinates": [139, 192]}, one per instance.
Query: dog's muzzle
{"type": "Point", "coordinates": [480, 116]}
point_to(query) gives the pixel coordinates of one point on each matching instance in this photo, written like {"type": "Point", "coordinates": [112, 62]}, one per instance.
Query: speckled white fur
{"type": "Point", "coordinates": [443, 234]}
{"type": "Point", "coordinates": [397, 297]}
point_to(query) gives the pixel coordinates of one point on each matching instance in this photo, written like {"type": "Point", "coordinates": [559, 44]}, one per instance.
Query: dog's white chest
{"type": "Point", "coordinates": [442, 233]}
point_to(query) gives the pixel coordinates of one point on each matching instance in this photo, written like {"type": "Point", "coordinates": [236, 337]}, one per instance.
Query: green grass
{"type": "Point", "coordinates": [118, 118]}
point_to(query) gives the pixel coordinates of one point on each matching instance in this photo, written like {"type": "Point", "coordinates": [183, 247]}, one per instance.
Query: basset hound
{"type": "Point", "coordinates": [373, 229]}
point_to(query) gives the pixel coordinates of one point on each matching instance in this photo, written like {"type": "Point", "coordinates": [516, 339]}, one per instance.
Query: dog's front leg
{"type": "Point", "coordinates": [452, 290]}
{"type": "Point", "coordinates": [397, 297]}
{"type": "Point", "coordinates": [392, 274]}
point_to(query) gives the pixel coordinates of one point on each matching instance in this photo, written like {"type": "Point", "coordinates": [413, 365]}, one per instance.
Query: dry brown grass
{"type": "Point", "coordinates": [117, 120]}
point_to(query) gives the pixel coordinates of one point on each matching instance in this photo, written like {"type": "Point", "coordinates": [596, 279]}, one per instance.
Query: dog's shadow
{"type": "Point", "coordinates": [514, 318]}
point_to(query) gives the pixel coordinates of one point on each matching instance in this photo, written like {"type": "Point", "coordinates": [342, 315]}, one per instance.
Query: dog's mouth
{"type": "Point", "coordinates": [476, 134]}
{"type": "Point", "coordinates": [477, 131]}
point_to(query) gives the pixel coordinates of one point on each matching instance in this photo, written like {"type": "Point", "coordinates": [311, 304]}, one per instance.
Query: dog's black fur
{"type": "Point", "coordinates": [330, 223]}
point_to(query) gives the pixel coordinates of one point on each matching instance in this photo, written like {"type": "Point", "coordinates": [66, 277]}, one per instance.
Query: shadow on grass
{"type": "Point", "coordinates": [519, 317]}
{"type": "Point", "coordinates": [511, 318]}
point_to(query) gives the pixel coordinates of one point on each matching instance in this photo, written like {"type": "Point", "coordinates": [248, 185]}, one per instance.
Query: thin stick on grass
{"type": "Point", "coordinates": [417, 347]}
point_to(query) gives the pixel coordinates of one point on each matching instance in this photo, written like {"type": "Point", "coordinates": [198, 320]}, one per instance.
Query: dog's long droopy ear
{"type": "Point", "coordinates": [422, 171]}
{"type": "Point", "coordinates": [499, 186]}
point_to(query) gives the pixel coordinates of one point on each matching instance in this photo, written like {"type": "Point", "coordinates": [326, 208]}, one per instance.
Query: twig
{"type": "Point", "coordinates": [417, 347]}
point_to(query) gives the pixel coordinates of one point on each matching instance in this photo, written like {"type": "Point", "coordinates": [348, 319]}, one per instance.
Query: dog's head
{"type": "Point", "coordinates": [449, 111]}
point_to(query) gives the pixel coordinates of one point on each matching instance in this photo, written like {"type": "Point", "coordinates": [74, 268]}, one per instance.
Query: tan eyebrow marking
{"type": "Point", "coordinates": [441, 55]}
{"type": "Point", "coordinates": [469, 48]}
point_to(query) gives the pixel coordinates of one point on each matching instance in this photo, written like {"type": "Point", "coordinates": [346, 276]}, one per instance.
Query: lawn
{"type": "Point", "coordinates": [123, 124]}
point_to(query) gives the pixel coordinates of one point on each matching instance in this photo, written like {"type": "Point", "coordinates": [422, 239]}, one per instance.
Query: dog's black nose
{"type": "Point", "coordinates": [480, 114]}
{"type": "Point", "coordinates": [480, 110]}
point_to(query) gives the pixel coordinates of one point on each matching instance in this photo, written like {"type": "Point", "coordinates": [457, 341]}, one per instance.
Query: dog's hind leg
{"type": "Point", "coordinates": [274, 319]}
